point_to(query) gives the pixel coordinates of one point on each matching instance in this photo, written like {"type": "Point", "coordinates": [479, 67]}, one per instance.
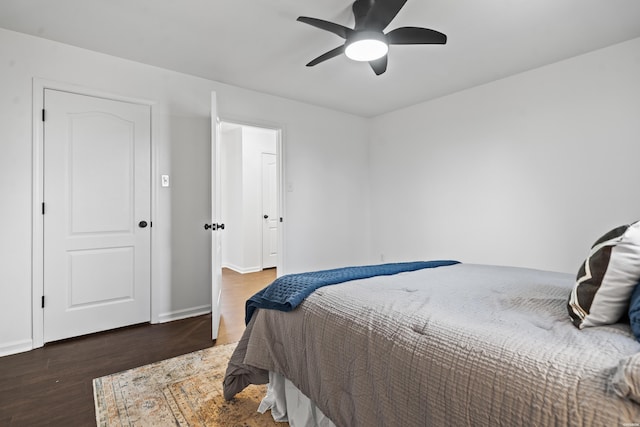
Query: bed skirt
{"type": "Point", "coordinates": [287, 403]}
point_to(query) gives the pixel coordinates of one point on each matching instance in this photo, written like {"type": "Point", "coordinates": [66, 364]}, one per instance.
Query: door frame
{"type": "Point", "coordinates": [263, 240]}
{"type": "Point", "coordinates": [280, 179]}
{"type": "Point", "coordinates": [37, 168]}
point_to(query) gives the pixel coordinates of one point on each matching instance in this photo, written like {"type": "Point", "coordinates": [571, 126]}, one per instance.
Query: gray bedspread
{"type": "Point", "coordinates": [462, 345]}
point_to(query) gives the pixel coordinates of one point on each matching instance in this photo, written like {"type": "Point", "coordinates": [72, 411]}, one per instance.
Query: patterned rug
{"type": "Point", "coordinates": [182, 391]}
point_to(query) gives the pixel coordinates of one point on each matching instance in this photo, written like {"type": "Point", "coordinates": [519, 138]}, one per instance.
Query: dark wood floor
{"type": "Point", "coordinates": [52, 385]}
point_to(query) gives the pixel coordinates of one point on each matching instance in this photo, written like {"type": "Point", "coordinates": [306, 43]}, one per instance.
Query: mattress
{"type": "Point", "coordinates": [459, 345]}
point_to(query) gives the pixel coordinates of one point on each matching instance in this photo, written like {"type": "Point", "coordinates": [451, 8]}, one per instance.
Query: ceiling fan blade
{"type": "Point", "coordinates": [382, 13]}
{"type": "Point", "coordinates": [379, 65]}
{"type": "Point", "coordinates": [360, 10]}
{"type": "Point", "coordinates": [328, 55]}
{"type": "Point", "coordinates": [415, 35]}
{"type": "Point", "coordinates": [332, 27]}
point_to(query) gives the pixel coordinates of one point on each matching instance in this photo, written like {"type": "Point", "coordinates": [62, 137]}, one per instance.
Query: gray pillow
{"type": "Point", "coordinates": [607, 278]}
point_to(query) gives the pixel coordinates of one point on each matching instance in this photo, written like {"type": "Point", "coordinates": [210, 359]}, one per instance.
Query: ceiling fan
{"type": "Point", "coordinates": [367, 40]}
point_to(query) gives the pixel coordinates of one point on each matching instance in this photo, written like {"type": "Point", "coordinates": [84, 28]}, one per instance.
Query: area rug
{"type": "Point", "coordinates": [182, 391]}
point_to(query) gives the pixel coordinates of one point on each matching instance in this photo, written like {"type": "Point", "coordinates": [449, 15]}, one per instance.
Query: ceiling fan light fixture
{"type": "Point", "coordinates": [366, 46]}
{"type": "Point", "coordinates": [366, 40]}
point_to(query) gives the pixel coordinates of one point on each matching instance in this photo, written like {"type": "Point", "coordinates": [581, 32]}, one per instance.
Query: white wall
{"type": "Point", "coordinates": [317, 143]}
{"type": "Point", "coordinates": [527, 171]}
{"type": "Point", "coordinates": [231, 152]}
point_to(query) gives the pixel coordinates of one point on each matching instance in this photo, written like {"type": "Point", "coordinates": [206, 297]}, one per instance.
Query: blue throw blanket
{"type": "Point", "coordinates": [287, 292]}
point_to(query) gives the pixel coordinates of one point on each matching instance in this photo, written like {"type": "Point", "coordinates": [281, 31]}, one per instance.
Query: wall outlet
{"type": "Point", "coordinates": [165, 180]}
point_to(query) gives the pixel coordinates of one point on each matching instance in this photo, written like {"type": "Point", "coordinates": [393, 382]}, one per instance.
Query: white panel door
{"type": "Point", "coordinates": [97, 214]}
{"type": "Point", "coordinates": [270, 209]}
{"type": "Point", "coordinates": [216, 226]}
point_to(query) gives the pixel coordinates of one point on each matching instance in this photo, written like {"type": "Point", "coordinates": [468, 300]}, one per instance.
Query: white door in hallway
{"type": "Point", "coordinates": [97, 214]}
{"type": "Point", "coordinates": [270, 209]}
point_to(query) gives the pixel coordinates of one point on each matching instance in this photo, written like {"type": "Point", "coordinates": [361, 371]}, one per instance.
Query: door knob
{"type": "Point", "coordinates": [214, 227]}
{"type": "Point", "coordinates": [142, 224]}
{"type": "Point", "coordinates": [266, 216]}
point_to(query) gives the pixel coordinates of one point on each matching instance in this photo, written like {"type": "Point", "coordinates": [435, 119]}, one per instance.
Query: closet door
{"type": "Point", "coordinates": [97, 210]}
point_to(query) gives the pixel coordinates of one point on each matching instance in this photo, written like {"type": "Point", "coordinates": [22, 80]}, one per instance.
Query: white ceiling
{"type": "Point", "coordinates": [258, 44]}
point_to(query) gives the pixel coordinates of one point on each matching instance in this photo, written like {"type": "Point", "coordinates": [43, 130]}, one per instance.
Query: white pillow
{"type": "Point", "coordinates": [607, 278]}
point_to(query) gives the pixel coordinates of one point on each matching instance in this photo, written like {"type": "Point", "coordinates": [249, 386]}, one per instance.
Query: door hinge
{"type": "Point", "coordinates": [42, 208]}
{"type": "Point", "coordinates": [43, 114]}
{"type": "Point", "coordinates": [42, 301]}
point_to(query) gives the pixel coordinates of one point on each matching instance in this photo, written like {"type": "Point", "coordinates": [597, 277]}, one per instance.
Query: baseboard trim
{"type": "Point", "coordinates": [16, 347]}
{"type": "Point", "coordinates": [183, 314]}
{"type": "Point", "coordinates": [242, 270]}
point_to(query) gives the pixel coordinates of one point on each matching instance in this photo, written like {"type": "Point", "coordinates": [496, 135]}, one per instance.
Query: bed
{"type": "Point", "coordinates": [462, 344]}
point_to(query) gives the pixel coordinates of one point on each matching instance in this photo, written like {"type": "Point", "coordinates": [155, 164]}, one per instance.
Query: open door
{"type": "Point", "coordinates": [216, 225]}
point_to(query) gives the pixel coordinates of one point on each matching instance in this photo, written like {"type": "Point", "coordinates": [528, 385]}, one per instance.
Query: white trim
{"type": "Point", "coordinates": [37, 234]}
{"type": "Point", "coordinates": [183, 314]}
{"type": "Point", "coordinates": [242, 270]}
{"type": "Point", "coordinates": [280, 265]}
{"type": "Point", "coordinates": [155, 208]}
{"type": "Point", "coordinates": [16, 347]}
{"type": "Point", "coordinates": [83, 90]}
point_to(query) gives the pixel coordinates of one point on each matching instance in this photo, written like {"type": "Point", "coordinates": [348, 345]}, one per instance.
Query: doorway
{"type": "Point", "coordinates": [251, 197]}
